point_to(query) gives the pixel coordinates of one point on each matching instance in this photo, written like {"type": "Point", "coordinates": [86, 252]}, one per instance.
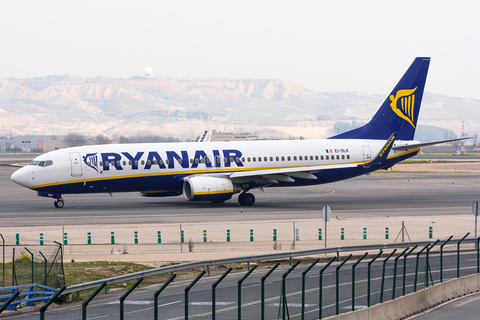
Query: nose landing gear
{"type": "Point", "coordinates": [59, 203]}
{"type": "Point", "coordinates": [246, 199]}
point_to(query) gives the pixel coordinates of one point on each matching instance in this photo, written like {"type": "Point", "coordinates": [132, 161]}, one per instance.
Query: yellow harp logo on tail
{"type": "Point", "coordinates": [407, 103]}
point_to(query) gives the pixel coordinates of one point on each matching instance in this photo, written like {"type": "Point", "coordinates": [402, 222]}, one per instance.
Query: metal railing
{"type": "Point", "coordinates": [408, 248]}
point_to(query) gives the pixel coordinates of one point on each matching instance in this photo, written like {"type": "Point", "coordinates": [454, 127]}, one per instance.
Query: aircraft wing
{"type": "Point", "coordinates": [284, 175]}
{"type": "Point", "coordinates": [406, 145]}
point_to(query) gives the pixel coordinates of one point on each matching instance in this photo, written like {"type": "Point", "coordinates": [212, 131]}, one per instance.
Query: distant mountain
{"type": "Point", "coordinates": [183, 108]}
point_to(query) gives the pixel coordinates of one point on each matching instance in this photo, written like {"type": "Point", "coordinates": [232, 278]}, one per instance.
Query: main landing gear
{"type": "Point", "coordinates": [59, 203]}
{"type": "Point", "coordinates": [246, 199]}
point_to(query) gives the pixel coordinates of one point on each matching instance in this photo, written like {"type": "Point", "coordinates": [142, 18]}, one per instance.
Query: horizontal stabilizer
{"type": "Point", "coordinates": [404, 145]}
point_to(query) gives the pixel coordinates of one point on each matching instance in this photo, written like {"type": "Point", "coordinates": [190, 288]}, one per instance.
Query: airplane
{"type": "Point", "coordinates": [215, 171]}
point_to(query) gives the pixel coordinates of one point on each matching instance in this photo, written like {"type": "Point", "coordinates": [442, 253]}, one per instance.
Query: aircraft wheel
{"type": "Point", "coordinates": [241, 198]}
{"type": "Point", "coordinates": [59, 203]}
{"type": "Point", "coordinates": [248, 199]}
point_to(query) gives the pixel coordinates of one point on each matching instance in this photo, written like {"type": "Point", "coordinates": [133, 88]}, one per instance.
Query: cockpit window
{"type": "Point", "coordinates": [46, 163]}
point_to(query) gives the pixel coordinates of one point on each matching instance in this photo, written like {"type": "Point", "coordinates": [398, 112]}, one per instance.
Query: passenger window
{"type": "Point", "coordinates": [265, 159]}
{"type": "Point", "coordinates": [180, 161]}
{"type": "Point", "coordinates": [155, 162]}
{"type": "Point", "coordinates": [278, 159]}
{"type": "Point", "coordinates": [101, 163]}
{"type": "Point", "coordinates": [161, 161]}
{"type": "Point", "coordinates": [225, 160]}
{"type": "Point", "coordinates": [196, 161]}
{"type": "Point", "coordinates": [254, 159]}
{"type": "Point", "coordinates": [243, 159]}
{"type": "Point", "coordinates": [343, 156]}
{"type": "Point", "coordinates": [294, 158]}
{"type": "Point", "coordinates": [283, 158]}
{"type": "Point", "coordinates": [259, 159]}
{"type": "Point", "coordinates": [124, 162]}
{"type": "Point", "coordinates": [118, 163]}
{"type": "Point", "coordinates": [271, 158]}
{"type": "Point", "coordinates": [338, 157]}
{"type": "Point", "coordinates": [107, 163]}
{"type": "Point", "coordinates": [348, 156]}
{"type": "Point", "coordinates": [248, 159]}
{"type": "Point", "coordinates": [311, 157]}
{"type": "Point", "coordinates": [321, 157]}
{"type": "Point", "coordinates": [300, 158]}
{"type": "Point", "coordinates": [143, 162]}
{"type": "Point", "coordinates": [237, 159]}
{"type": "Point", "coordinates": [130, 162]}
{"type": "Point", "coordinates": [231, 159]}
{"type": "Point", "coordinates": [191, 160]}
{"type": "Point", "coordinates": [149, 162]}
{"type": "Point", "coordinates": [288, 158]}
{"type": "Point", "coordinates": [136, 163]}
{"type": "Point", "coordinates": [326, 157]}
{"type": "Point", "coordinates": [218, 159]}
{"type": "Point", "coordinates": [202, 160]}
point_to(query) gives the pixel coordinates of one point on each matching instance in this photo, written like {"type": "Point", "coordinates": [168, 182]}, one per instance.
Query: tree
{"type": "Point", "coordinates": [75, 139]}
{"type": "Point", "coordinates": [101, 139]}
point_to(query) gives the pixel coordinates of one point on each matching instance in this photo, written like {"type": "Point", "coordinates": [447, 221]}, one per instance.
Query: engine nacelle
{"type": "Point", "coordinates": [201, 188]}
{"type": "Point", "coordinates": [159, 193]}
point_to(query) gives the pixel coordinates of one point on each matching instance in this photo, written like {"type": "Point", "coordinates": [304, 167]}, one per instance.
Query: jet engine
{"type": "Point", "coordinates": [202, 188]}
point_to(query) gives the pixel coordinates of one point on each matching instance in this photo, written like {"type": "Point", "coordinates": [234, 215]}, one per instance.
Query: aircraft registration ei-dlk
{"type": "Point", "coordinates": [215, 171]}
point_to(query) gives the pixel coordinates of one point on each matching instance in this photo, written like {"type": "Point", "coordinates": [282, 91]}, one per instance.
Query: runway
{"type": "Point", "coordinates": [375, 195]}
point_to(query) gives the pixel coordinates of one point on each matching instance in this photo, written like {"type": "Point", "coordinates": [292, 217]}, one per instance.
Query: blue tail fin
{"type": "Point", "coordinates": [399, 112]}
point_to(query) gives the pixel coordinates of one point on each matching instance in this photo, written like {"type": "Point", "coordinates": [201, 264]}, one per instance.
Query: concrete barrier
{"type": "Point", "coordinates": [415, 302]}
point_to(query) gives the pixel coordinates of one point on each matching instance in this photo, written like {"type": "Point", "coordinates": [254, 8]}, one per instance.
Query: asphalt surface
{"type": "Point", "coordinates": [379, 194]}
{"type": "Point", "coordinates": [139, 305]}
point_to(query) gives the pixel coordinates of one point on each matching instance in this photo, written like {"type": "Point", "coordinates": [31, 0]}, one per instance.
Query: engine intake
{"type": "Point", "coordinates": [201, 188]}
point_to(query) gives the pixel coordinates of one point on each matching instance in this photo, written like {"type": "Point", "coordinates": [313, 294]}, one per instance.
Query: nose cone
{"type": "Point", "coordinates": [20, 177]}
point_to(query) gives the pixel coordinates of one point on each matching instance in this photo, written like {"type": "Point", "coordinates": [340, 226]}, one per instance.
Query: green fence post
{"type": "Point", "coordinates": [86, 302]}
{"type": "Point", "coordinates": [45, 269]}
{"type": "Point", "coordinates": [17, 239]}
{"type": "Point", "coordinates": [458, 254]}
{"type": "Point", "coordinates": [427, 263]}
{"type": "Point", "coordinates": [159, 237]}
{"type": "Point", "coordinates": [364, 233]}
{"type": "Point", "coordinates": [304, 273]}
{"type": "Point", "coordinates": [239, 295]}
{"type": "Point", "coordinates": [228, 235]}
{"type": "Point", "coordinates": [136, 236]}
{"type": "Point", "coordinates": [342, 234]}
{"type": "Point", "coordinates": [405, 267]}
{"type": "Point", "coordinates": [182, 236]}
{"type": "Point", "coordinates": [430, 232]}
{"type": "Point", "coordinates": [386, 233]}
{"type": "Point", "coordinates": [251, 234]}
{"type": "Point", "coordinates": [337, 291]}
{"type": "Point", "coordinates": [353, 279]}
{"type": "Point", "coordinates": [441, 258]}
{"type": "Point", "coordinates": [383, 274]}
{"type": "Point", "coordinates": [112, 237]}
{"type": "Point", "coordinates": [320, 287]}
{"type": "Point", "coordinates": [125, 295]}
{"type": "Point", "coordinates": [41, 239]}
{"type": "Point", "coordinates": [33, 280]}
{"type": "Point", "coordinates": [284, 289]}
{"type": "Point", "coordinates": [416, 267]}
{"type": "Point", "coordinates": [157, 293]}
{"type": "Point", "coordinates": [395, 272]}
{"type": "Point", "coordinates": [297, 235]}
{"type": "Point", "coordinates": [89, 238]}
{"type": "Point", "coordinates": [274, 234]}
{"type": "Point", "coordinates": [204, 235]}
{"type": "Point", "coordinates": [319, 234]}
{"type": "Point", "coordinates": [262, 299]}
{"type": "Point", "coordinates": [65, 240]}
{"type": "Point", "coordinates": [52, 299]}
{"type": "Point", "coordinates": [10, 300]}
{"type": "Point", "coordinates": [368, 280]}
{"type": "Point", "coordinates": [214, 286]}
{"type": "Point", "coordinates": [187, 289]}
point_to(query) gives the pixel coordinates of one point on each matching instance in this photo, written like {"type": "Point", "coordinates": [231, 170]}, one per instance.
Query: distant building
{"type": "Point", "coordinates": [233, 136]}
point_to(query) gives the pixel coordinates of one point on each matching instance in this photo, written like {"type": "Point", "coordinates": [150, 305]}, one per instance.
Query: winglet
{"type": "Point", "coordinates": [383, 154]}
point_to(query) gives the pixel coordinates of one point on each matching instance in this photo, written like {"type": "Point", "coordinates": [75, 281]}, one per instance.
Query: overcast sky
{"type": "Point", "coordinates": [321, 45]}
